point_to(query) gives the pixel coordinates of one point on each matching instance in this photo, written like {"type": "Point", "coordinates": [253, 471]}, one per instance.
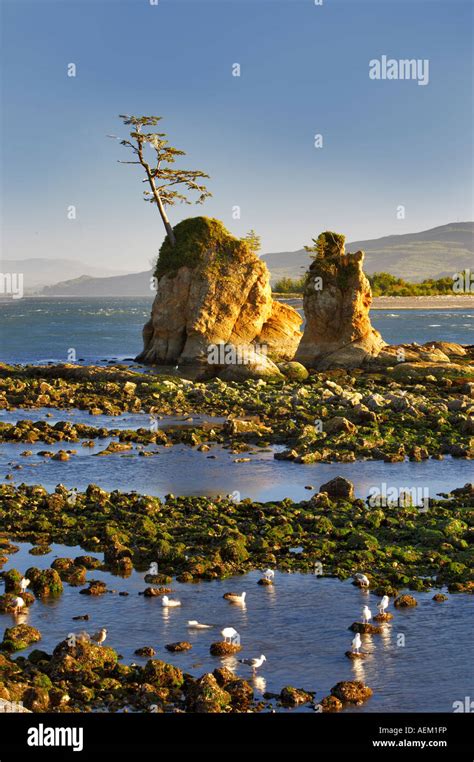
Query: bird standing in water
{"type": "Point", "coordinates": [356, 644]}
{"type": "Point", "coordinates": [19, 604]}
{"type": "Point", "coordinates": [362, 580]}
{"type": "Point", "coordinates": [254, 663]}
{"type": "Point", "coordinates": [229, 633]}
{"type": "Point", "coordinates": [366, 615]}
{"type": "Point", "coordinates": [383, 604]}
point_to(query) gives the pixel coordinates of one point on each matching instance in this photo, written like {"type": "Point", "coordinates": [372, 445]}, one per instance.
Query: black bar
{"type": "Point", "coordinates": [351, 733]}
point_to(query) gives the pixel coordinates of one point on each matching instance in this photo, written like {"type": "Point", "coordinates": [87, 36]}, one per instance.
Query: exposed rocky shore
{"type": "Point", "coordinates": [415, 409]}
{"type": "Point", "coordinates": [210, 538]}
{"type": "Point", "coordinates": [80, 676]}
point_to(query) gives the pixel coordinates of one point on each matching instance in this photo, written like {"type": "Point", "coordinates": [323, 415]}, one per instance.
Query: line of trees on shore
{"type": "Point", "coordinates": [383, 284]}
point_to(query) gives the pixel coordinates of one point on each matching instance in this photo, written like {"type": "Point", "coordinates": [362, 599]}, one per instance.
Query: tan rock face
{"type": "Point", "coordinates": [337, 299]}
{"type": "Point", "coordinates": [222, 297]}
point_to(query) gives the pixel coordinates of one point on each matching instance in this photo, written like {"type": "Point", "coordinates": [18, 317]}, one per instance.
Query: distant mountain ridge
{"type": "Point", "coordinates": [134, 284]}
{"type": "Point", "coordinates": [45, 271]}
{"type": "Point", "coordinates": [432, 253]}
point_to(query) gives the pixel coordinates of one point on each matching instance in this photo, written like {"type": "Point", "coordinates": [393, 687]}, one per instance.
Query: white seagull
{"type": "Point", "coordinates": [100, 636]}
{"type": "Point", "coordinates": [356, 644]}
{"type": "Point", "coordinates": [229, 633]}
{"type": "Point", "coordinates": [362, 580]}
{"type": "Point", "coordinates": [197, 625]}
{"type": "Point", "coordinates": [383, 604]}
{"type": "Point", "coordinates": [366, 615]}
{"type": "Point", "coordinates": [169, 602]}
{"type": "Point", "coordinates": [19, 604]}
{"type": "Point", "coordinates": [235, 597]}
{"type": "Point", "coordinates": [24, 582]}
{"type": "Point", "coordinates": [254, 663]}
{"type": "Point", "coordinates": [268, 574]}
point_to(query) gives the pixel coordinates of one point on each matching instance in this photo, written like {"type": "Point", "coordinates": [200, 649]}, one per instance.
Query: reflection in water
{"type": "Point", "coordinates": [300, 624]}
{"type": "Point", "coordinates": [259, 684]}
{"type": "Point", "coordinates": [385, 635]}
{"type": "Point", "coordinates": [183, 470]}
{"type": "Point", "coordinates": [358, 668]}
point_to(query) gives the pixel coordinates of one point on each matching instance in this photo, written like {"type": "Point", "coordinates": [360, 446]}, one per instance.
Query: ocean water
{"type": "Point", "coordinates": [300, 624]}
{"type": "Point", "coordinates": [183, 470]}
{"type": "Point", "coordinates": [37, 330]}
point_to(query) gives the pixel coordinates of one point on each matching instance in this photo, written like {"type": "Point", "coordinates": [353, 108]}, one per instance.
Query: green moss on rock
{"type": "Point", "coordinates": [44, 582]}
{"type": "Point", "coordinates": [18, 637]}
{"type": "Point", "coordinates": [196, 237]}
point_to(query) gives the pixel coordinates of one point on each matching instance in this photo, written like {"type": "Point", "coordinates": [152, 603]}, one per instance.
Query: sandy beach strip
{"type": "Point", "coordinates": [442, 302]}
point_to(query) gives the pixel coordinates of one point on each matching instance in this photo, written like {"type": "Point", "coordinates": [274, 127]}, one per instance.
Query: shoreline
{"type": "Point", "coordinates": [438, 302]}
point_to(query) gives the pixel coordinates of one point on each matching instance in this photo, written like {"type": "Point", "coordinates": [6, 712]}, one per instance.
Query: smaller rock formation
{"type": "Point", "coordinates": [205, 696]}
{"type": "Point", "coordinates": [181, 645]}
{"type": "Point", "coordinates": [405, 601]}
{"type": "Point", "coordinates": [291, 696]}
{"type": "Point", "coordinates": [220, 648]}
{"type": "Point", "coordinates": [44, 582]}
{"type": "Point", "coordinates": [351, 692]}
{"type": "Point", "coordinates": [338, 488]}
{"type": "Point", "coordinates": [336, 301]}
{"type": "Point", "coordinates": [18, 637]}
{"type": "Point", "coordinates": [365, 628]}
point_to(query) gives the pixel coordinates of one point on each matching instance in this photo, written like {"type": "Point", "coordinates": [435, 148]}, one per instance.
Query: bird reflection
{"type": "Point", "coordinates": [259, 683]}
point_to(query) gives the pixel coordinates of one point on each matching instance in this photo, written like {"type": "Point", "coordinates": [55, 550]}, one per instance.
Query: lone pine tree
{"type": "Point", "coordinates": [162, 178]}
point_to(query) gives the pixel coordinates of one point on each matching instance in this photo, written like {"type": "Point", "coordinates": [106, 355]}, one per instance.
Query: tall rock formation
{"type": "Point", "coordinates": [337, 298]}
{"type": "Point", "coordinates": [212, 289]}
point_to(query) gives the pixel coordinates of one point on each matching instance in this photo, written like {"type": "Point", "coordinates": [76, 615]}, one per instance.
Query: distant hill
{"type": "Point", "coordinates": [44, 271]}
{"type": "Point", "coordinates": [134, 284]}
{"type": "Point", "coordinates": [413, 256]}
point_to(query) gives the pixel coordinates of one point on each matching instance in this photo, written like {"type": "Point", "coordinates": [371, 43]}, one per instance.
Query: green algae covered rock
{"type": "Point", "coordinates": [294, 371]}
{"type": "Point", "coordinates": [331, 704]}
{"type": "Point", "coordinates": [351, 692]}
{"type": "Point", "coordinates": [12, 579]}
{"type": "Point", "coordinates": [159, 673]}
{"type": "Point", "coordinates": [206, 696]}
{"type": "Point", "coordinates": [78, 656]}
{"type": "Point", "coordinates": [241, 693]}
{"type": "Point", "coordinates": [8, 601]}
{"type": "Point", "coordinates": [291, 696]}
{"type": "Point", "coordinates": [44, 582]}
{"type": "Point", "coordinates": [18, 637]}
{"type": "Point", "coordinates": [195, 237]}
{"type": "Point", "coordinates": [405, 601]}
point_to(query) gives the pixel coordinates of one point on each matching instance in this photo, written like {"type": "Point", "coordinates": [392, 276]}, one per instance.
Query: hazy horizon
{"type": "Point", "coordinates": [121, 271]}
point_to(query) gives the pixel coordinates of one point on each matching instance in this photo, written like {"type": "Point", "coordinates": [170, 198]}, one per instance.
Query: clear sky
{"type": "Point", "coordinates": [304, 70]}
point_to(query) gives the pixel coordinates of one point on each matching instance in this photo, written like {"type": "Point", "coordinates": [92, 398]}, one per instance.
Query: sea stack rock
{"type": "Point", "coordinates": [213, 291]}
{"type": "Point", "coordinates": [337, 298]}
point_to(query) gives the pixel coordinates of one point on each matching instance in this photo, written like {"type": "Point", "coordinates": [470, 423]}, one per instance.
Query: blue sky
{"type": "Point", "coordinates": [304, 70]}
